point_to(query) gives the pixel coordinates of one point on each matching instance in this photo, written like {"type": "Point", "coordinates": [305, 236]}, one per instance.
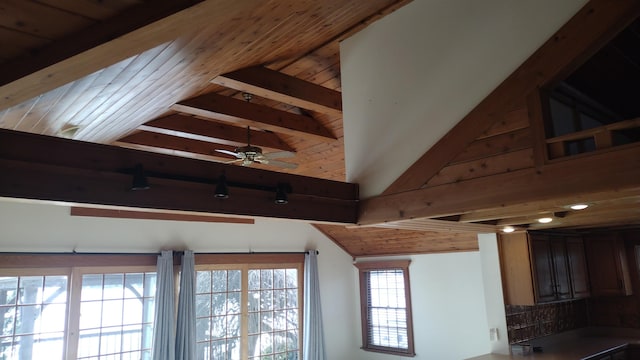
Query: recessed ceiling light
{"type": "Point", "coordinates": [545, 220]}
{"type": "Point", "coordinates": [579, 206]}
{"type": "Point", "coordinates": [508, 229]}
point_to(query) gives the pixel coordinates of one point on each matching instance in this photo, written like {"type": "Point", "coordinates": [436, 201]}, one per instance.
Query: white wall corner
{"type": "Point", "coordinates": [494, 300]}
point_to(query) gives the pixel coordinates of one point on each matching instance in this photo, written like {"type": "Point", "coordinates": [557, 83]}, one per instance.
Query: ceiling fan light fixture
{"type": "Point", "coordinates": [222, 191]}
{"type": "Point", "coordinates": [140, 181]}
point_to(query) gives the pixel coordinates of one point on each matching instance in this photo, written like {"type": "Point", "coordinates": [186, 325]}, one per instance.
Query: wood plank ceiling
{"type": "Point", "coordinates": [169, 77]}
{"type": "Point", "coordinates": [192, 77]}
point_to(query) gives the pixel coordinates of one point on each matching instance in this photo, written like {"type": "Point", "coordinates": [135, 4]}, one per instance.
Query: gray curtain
{"type": "Point", "coordinates": [313, 341]}
{"type": "Point", "coordinates": [163, 327]}
{"type": "Point", "coordinates": [186, 328]}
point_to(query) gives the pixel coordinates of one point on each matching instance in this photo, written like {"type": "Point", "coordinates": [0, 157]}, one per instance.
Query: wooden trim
{"type": "Point", "coordinates": [587, 31]}
{"type": "Point", "coordinates": [594, 132]}
{"type": "Point", "coordinates": [152, 215]}
{"type": "Point", "coordinates": [257, 258]}
{"type": "Point", "coordinates": [284, 88]}
{"type": "Point", "coordinates": [225, 108]}
{"type": "Point", "coordinates": [378, 265]}
{"type": "Point", "coordinates": [23, 261]}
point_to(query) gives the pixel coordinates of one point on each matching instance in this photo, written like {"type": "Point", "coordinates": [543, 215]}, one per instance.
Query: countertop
{"type": "Point", "coordinates": [574, 346]}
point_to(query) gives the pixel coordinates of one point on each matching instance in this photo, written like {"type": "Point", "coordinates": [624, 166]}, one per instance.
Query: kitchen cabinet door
{"type": "Point", "coordinates": [578, 267]}
{"type": "Point", "coordinates": [543, 273]}
{"type": "Point", "coordinates": [608, 269]}
{"type": "Point", "coordinates": [560, 263]}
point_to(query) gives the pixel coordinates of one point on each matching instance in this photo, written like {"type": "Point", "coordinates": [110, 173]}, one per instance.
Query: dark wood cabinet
{"type": "Point", "coordinates": [578, 267]}
{"type": "Point", "coordinates": [540, 268]}
{"type": "Point", "coordinates": [607, 260]}
{"type": "Point", "coordinates": [551, 265]}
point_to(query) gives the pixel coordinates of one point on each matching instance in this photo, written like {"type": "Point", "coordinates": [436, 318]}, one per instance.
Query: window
{"type": "Point", "coordinates": [386, 307]}
{"type": "Point", "coordinates": [76, 312]}
{"type": "Point", "coordinates": [249, 311]}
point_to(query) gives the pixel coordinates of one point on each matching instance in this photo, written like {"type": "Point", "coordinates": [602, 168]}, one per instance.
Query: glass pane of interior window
{"type": "Point", "coordinates": [562, 118]}
{"type": "Point", "coordinates": [150, 285]}
{"type": "Point", "coordinates": [31, 289]}
{"type": "Point", "coordinates": [203, 282]}
{"type": "Point", "coordinates": [266, 279]}
{"type": "Point", "coordinates": [133, 285]}
{"type": "Point", "coordinates": [118, 320]}
{"type": "Point", "coordinates": [33, 313]}
{"type": "Point", "coordinates": [55, 289]}
{"type": "Point", "coordinates": [254, 280]}
{"type": "Point", "coordinates": [91, 287]}
{"type": "Point", "coordinates": [279, 278]}
{"type": "Point", "coordinates": [388, 317]}
{"type": "Point", "coordinates": [203, 305]}
{"type": "Point", "coordinates": [235, 280]}
{"type": "Point", "coordinates": [113, 286]}
{"type": "Point", "coordinates": [8, 290]}
{"type": "Point", "coordinates": [219, 281]}
{"type": "Point", "coordinates": [292, 278]}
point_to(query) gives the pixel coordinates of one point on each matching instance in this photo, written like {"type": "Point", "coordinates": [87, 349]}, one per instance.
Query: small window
{"type": "Point", "coordinates": [386, 307]}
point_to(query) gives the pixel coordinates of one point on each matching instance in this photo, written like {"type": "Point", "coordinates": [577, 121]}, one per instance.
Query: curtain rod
{"type": "Point", "coordinates": [175, 252]}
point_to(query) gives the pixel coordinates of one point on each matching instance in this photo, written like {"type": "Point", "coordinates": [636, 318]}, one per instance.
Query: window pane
{"type": "Point", "coordinates": [385, 310]}
{"type": "Point", "coordinates": [8, 290]}
{"type": "Point", "coordinates": [203, 282]}
{"type": "Point", "coordinates": [31, 289]}
{"type": "Point", "coordinates": [116, 315]}
{"type": "Point", "coordinates": [33, 314]}
{"type": "Point", "coordinates": [91, 287]}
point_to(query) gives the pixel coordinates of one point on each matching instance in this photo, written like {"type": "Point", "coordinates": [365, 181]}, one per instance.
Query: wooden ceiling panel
{"type": "Point", "coordinates": [379, 242]}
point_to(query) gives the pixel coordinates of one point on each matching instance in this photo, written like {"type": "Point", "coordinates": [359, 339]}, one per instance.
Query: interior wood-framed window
{"type": "Point", "coordinates": [385, 301]}
{"type": "Point", "coordinates": [250, 307]}
{"type": "Point", "coordinates": [76, 312]}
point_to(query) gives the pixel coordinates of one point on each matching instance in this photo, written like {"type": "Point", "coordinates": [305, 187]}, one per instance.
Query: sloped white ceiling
{"type": "Point", "coordinates": [410, 77]}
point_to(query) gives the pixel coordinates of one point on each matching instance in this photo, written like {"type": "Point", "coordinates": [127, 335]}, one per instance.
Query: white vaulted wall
{"type": "Point", "coordinates": [28, 227]}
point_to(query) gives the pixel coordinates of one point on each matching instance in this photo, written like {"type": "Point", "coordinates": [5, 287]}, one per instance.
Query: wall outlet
{"type": "Point", "coordinates": [493, 334]}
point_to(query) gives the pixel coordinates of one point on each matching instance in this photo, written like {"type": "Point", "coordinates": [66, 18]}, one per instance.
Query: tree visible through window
{"type": "Point", "coordinates": [267, 296]}
{"type": "Point", "coordinates": [386, 307]}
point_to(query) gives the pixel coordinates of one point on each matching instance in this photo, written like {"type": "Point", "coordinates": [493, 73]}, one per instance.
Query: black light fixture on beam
{"type": "Point", "coordinates": [222, 192]}
{"type": "Point", "coordinates": [281, 193]}
{"type": "Point", "coordinates": [140, 181]}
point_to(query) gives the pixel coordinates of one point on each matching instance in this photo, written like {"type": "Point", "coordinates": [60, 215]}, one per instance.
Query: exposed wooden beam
{"type": "Point", "coordinates": [154, 215]}
{"type": "Point", "coordinates": [214, 106]}
{"type": "Point", "coordinates": [205, 130]}
{"type": "Point", "coordinates": [55, 169]}
{"type": "Point", "coordinates": [594, 25]}
{"type": "Point", "coordinates": [437, 225]}
{"type": "Point", "coordinates": [570, 181]}
{"type": "Point", "coordinates": [152, 140]}
{"type": "Point", "coordinates": [284, 88]}
{"type": "Point", "coordinates": [91, 49]}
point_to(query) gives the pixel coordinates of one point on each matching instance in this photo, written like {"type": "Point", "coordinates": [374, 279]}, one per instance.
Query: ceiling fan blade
{"type": "Point", "coordinates": [229, 153]}
{"type": "Point", "coordinates": [279, 155]}
{"type": "Point", "coordinates": [281, 164]}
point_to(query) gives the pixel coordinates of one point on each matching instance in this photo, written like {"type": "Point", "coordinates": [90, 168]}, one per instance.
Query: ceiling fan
{"type": "Point", "coordinates": [249, 154]}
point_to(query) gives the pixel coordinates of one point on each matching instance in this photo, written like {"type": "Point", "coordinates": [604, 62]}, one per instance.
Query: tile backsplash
{"type": "Point", "coordinates": [529, 322]}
